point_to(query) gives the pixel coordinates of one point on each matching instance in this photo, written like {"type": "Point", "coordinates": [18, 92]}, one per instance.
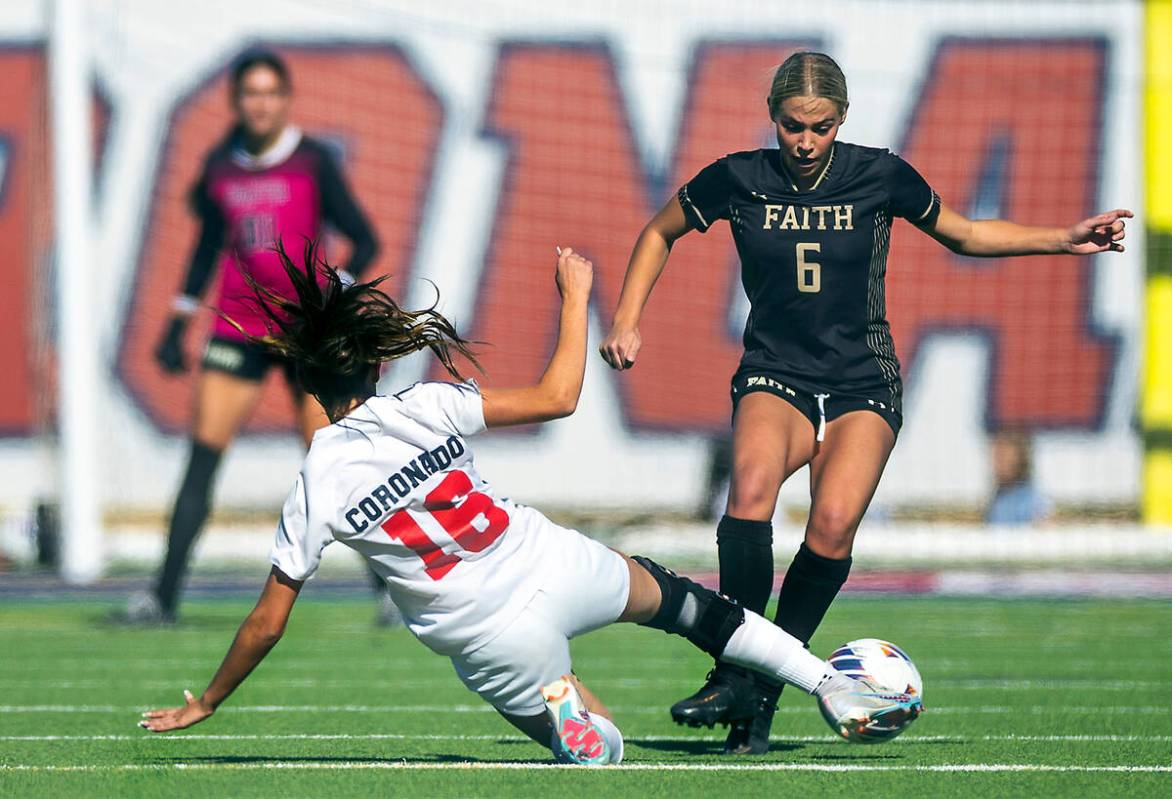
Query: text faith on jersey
{"type": "Point", "coordinates": [803, 217]}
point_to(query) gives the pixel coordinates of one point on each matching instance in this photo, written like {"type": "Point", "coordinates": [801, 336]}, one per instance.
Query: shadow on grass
{"type": "Point", "coordinates": [245, 760]}
{"type": "Point", "coordinates": [699, 746]}
{"type": "Point", "coordinates": [854, 755]}
{"type": "Point", "coordinates": [117, 621]}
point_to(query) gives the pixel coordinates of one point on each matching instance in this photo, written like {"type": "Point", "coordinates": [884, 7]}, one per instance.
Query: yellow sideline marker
{"type": "Point", "coordinates": [1156, 408]}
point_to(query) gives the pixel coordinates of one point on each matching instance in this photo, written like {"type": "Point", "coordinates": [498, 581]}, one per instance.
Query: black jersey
{"type": "Point", "coordinates": [813, 262]}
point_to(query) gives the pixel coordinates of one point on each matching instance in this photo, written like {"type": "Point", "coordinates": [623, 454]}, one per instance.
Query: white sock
{"type": "Point", "coordinates": [762, 646]}
{"type": "Point", "coordinates": [610, 733]}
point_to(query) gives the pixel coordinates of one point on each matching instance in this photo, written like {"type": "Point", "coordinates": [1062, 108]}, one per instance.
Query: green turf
{"type": "Point", "coordinates": [1007, 683]}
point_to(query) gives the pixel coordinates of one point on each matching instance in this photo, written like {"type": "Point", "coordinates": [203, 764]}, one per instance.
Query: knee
{"type": "Point", "coordinates": [644, 597]}
{"type": "Point", "coordinates": [830, 531]}
{"type": "Point", "coordinates": [753, 491]}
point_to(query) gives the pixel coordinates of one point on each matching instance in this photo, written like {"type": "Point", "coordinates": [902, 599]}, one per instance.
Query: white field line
{"type": "Point", "coordinates": [1041, 710]}
{"type": "Point", "coordinates": [427, 766]}
{"type": "Point", "coordinates": [307, 683]}
{"type": "Point", "coordinates": [834, 739]}
{"type": "Point", "coordinates": [311, 663]}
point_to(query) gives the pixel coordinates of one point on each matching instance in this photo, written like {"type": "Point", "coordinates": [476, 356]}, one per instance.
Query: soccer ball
{"type": "Point", "coordinates": [887, 666]}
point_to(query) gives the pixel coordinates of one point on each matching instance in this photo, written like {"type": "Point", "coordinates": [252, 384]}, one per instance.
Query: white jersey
{"type": "Point", "coordinates": [395, 481]}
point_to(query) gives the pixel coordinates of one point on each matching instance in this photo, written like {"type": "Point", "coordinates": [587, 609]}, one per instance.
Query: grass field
{"type": "Point", "coordinates": [1025, 698]}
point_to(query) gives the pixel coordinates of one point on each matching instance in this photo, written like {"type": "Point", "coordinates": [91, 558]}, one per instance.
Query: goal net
{"type": "Point", "coordinates": [477, 136]}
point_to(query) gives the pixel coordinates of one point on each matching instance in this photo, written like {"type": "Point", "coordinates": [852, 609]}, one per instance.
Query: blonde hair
{"type": "Point", "coordinates": [808, 74]}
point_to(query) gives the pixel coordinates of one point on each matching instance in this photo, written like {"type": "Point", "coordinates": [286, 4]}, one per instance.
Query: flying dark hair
{"type": "Point", "coordinates": [259, 58]}
{"type": "Point", "coordinates": [337, 335]}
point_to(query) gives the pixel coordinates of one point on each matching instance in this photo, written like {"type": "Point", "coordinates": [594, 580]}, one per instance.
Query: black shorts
{"type": "Point", "coordinates": [804, 395]}
{"type": "Point", "coordinates": [244, 359]}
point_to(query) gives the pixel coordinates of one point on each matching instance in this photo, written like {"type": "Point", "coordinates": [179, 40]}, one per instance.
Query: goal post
{"type": "Point", "coordinates": [79, 391]}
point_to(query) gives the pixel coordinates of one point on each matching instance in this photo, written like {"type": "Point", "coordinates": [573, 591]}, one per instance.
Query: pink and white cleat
{"type": "Point", "coordinates": [576, 738]}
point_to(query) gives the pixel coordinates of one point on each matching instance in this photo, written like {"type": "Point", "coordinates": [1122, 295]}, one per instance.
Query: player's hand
{"type": "Point", "coordinates": [176, 718]}
{"type": "Point", "coordinates": [1102, 233]}
{"type": "Point", "coordinates": [620, 347]}
{"type": "Point", "coordinates": [574, 274]}
{"type": "Point", "coordinates": [169, 354]}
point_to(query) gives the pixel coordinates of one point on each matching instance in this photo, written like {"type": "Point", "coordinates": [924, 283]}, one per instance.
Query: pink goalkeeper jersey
{"type": "Point", "coordinates": [249, 203]}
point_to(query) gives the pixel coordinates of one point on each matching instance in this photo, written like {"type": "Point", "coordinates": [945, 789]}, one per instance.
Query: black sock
{"type": "Point", "coordinates": [746, 561]}
{"type": "Point", "coordinates": [809, 587]}
{"type": "Point", "coordinates": [746, 565]}
{"type": "Point", "coordinates": [191, 510]}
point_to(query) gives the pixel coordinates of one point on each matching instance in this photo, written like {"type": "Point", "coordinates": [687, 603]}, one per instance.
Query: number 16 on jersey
{"type": "Point", "coordinates": [471, 518]}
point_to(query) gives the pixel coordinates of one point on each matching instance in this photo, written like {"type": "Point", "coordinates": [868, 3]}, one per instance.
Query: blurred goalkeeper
{"type": "Point", "coordinates": [491, 584]}
{"type": "Point", "coordinates": [266, 182]}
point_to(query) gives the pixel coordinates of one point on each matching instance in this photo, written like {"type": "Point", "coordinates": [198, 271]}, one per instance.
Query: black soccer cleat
{"type": "Point", "coordinates": [726, 697]}
{"type": "Point", "coordinates": [751, 737]}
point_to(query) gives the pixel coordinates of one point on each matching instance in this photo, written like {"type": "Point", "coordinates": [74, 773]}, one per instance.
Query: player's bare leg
{"type": "Point", "coordinates": [644, 596]}
{"type": "Point", "coordinates": [223, 403]}
{"type": "Point", "coordinates": [844, 474]}
{"type": "Point", "coordinates": [771, 440]}
{"type": "Point", "coordinates": [536, 727]}
{"type": "Point", "coordinates": [589, 698]}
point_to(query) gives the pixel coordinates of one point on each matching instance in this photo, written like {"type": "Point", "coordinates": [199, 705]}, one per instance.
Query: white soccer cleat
{"type": "Point", "coordinates": [575, 739]}
{"type": "Point", "coordinates": [863, 712]}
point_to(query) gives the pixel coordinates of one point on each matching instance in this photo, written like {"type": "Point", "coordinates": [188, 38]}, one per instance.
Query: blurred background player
{"type": "Point", "coordinates": [495, 586]}
{"type": "Point", "coordinates": [1016, 498]}
{"type": "Point", "coordinates": [819, 382]}
{"type": "Point", "coordinates": [265, 183]}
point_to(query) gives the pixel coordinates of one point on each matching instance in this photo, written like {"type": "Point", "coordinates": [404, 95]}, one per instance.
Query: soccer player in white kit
{"type": "Point", "coordinates": [491, 584]}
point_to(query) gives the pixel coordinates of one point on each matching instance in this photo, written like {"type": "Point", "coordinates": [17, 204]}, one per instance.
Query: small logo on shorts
{"type": "Point", "coordinates": [223, 356]}
{"type": "Point", "coordinates": [769, 382]}
{"type": "Point", "coordinates": [881, 406]}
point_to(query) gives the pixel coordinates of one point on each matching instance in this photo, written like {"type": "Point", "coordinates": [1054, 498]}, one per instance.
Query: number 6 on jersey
{"type": "Point", "coordinates": [809, 272]}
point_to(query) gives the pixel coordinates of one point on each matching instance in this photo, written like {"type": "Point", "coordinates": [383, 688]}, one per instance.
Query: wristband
{"type": "Point", "coordinates": [185, 304]}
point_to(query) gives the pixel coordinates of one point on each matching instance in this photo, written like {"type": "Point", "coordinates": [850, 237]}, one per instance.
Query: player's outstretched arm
{"type": "Point", "coordinates": [556, 394]}
{"type": "Point", "coordinates": [169, 352]}
{"type": "Point", "coordinates": [648, 259]}
{"type": "Point", "coordinates": [257, 635]}
{"type": "Point", "coordinates": [999, 238]}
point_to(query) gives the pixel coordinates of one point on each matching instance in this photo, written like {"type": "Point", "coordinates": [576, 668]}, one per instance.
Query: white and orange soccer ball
{"type": "Point", "coordinates": [888, 668]}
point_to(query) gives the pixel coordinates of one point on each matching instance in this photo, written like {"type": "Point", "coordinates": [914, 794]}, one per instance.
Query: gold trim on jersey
{"type": "Point", "coordinates": [688, 199]}
{"type": "Point", "coordinates": [931, 204]}
{"type": "Point", "coordinates": [826, 169]}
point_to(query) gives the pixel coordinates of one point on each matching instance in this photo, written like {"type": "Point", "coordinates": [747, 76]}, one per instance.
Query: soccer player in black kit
{"type": "Point", "coordinates": [819, 382]}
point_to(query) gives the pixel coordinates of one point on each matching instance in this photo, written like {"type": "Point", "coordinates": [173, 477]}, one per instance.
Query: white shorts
{"type": "Point", "coordinates": [585, 586]}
